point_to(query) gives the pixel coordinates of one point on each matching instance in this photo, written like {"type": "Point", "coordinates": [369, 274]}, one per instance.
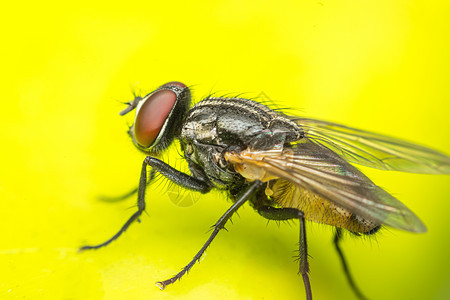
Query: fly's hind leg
{"type": "Point", "coordinates": [356, 290]}
{"type": "Point", "coordinates": [281, 214]}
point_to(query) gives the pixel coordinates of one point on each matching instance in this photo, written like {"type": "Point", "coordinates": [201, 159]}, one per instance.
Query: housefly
{"type": "Point", "coordinates": [286, 167]}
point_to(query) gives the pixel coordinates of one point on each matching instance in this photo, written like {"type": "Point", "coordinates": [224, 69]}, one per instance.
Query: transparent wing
{"type": "Point", "coordinates": [375, 150]}
{"type": "Point", "coordinates": [323, 172]}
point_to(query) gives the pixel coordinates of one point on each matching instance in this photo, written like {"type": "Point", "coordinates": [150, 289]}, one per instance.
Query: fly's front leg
{"type": "Point", "coordinates": [282, 214]}
{"type": "Point", "coordinates": [253, 189]}
{"type": "Point", "coordinates": [124, 196]}
{"type": "Point", "coordinates": [167, 171]}
{"type": "Point", "coordinates": [121, 197]}
{"type": "Point", "coordinates": [131, 105]}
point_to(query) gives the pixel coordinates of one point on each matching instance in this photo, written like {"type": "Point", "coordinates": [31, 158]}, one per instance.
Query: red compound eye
{"type": "Point", "coordinates": [152, 115]}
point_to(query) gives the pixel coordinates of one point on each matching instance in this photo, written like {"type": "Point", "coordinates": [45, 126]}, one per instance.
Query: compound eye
{"type": "Point", "coordinates": [152, 115]}
{"type": "Point", "coordinates": [177, 83]}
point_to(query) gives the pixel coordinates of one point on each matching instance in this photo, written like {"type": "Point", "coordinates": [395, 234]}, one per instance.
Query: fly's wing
{"type": "Point", "coordinates": [374, 150]}
{"type": "Point", "coordinates": [321, 171]}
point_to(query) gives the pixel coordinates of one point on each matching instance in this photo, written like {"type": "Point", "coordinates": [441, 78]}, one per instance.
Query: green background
{"type": "Point", "coordinates": [66, 67]}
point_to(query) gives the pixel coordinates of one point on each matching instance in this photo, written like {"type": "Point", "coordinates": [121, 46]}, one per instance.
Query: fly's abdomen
{"type": "Point", "coordinates": [317, 208]}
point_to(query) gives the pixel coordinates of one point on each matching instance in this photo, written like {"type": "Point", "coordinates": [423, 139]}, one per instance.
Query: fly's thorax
{"type": "Point", "coordinates": [235, 122]}
{"type": "Point", "coordinates": [208, 159]}
{"type": "Point", "coordinates": [217, 124]}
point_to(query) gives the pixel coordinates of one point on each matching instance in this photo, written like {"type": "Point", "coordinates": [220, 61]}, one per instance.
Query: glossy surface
{"type": "Point", "coordinates": [152, 115]}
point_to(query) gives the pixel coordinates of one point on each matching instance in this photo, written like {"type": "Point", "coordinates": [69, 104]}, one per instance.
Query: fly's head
{"type": "Point", "coordinates": [159, 117]}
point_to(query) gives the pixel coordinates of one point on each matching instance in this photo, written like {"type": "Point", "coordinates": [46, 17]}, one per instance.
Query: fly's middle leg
{"type": "Point", "coordinates": [220, 224]}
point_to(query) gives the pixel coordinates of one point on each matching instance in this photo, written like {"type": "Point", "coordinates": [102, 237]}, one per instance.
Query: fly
{"type": "Point", "coordinates": [286, 167]}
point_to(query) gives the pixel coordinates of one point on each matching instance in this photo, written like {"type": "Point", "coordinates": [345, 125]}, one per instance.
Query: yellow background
{"type": "Point", "coordinates": [65, 68]}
